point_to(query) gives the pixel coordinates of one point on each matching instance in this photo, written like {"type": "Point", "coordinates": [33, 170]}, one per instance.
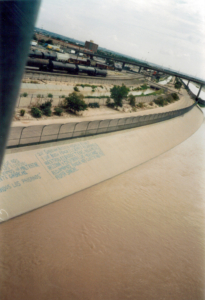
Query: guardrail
{"type": "Point", "coordinates": [23, 136]}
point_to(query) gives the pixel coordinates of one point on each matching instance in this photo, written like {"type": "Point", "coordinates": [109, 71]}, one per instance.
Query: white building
{"type": "Point", "coordinates": [34, 43]}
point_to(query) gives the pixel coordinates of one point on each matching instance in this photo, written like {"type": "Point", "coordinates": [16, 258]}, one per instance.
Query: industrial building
{"type": "Point", "coordinates": [34, 43]}
{"type": "Point", "coordinates": [91, 46]}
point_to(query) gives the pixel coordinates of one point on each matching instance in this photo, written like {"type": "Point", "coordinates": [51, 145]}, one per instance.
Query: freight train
{"type": "Point", "coordinates": [51, 61]}
{"type": "Point", "coordinates": [51, 65]}
{"type": "Point", "coordinates": [67, 58]}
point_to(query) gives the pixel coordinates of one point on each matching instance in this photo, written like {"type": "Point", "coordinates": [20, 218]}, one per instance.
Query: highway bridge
{"type": "Point", "coordinates": [141, 64]}
{"type": "Point", "coordinates": [150, 66]}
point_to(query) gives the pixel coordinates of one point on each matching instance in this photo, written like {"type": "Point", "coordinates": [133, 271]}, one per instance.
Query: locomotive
{"type": "Point", "coordinates": [51, 61]}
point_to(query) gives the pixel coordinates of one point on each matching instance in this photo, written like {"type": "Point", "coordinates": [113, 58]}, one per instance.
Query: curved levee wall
{"type": "Point", "coordinates": [21, 136]}
{"type": "Point", "coordinates": [31, 179]}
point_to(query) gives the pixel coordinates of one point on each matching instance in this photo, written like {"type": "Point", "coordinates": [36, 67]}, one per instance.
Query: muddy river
{"type": "Point", "coordinates": [140, 235]}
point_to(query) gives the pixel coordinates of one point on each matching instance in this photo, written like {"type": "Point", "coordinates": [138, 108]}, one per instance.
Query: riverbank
{"type": "Point", "coordinates": [33, 94]}
{"type": "Point", "coordinates": [105, 113]}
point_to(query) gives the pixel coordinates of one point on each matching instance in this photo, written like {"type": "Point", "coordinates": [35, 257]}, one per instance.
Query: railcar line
{"type": "Point", "coordinates": [62, 77]}
{"type": "Point", "coordinates": [131, 76]}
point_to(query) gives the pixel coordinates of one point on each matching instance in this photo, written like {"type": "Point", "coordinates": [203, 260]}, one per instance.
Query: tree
{"type": "Point", "coordinates": [175, 96]}
{"type": "Point", "coordinates": [34, 37]}
{"type": "Point", "coordinates": [157, 77]}
{"type": "Point", "coordinates": [75, 102]}
{"type": "Point", "coordinates": [36, 112]}
{"type": "Point", "coordinates": [110, 62]}
{"type": "Point", "coordinates": [49, 41]}
{"type": "Point", "coordinates": [46, 108]}
{"type": "Point", "coordinates": [131, 100]}
{"type": "Point", "coordinates": [118, 93]}
{"type": "Point", "coordinates": [178, 85]}
{"type": "Point", "coordinates": [42, 41]}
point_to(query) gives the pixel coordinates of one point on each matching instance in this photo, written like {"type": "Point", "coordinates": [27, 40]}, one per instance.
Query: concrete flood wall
{"type": "Point", "coordinates": [53, 132]}
{"type": "Point", "coordinates": [31, 179]}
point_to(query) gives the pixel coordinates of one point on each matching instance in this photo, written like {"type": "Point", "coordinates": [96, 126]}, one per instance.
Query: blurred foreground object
{"type": "Point", "coordinates": [17, 20]}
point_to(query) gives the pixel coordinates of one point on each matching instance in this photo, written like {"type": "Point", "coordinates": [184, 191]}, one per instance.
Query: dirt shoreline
{"type": "Point", "coordinates": [105, 113]}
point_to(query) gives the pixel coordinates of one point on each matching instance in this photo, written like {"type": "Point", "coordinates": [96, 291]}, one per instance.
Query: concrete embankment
{"type": "Point", "coordinates": [34, 178]}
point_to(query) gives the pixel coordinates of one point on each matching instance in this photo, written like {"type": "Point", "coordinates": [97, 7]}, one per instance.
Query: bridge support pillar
{"type": "Point", "coordinates": [139, 69]}
{"type": "Point", "coordinates": [199, 92]}
{"type": "Point", "coordinates": [188, 83]}
{"type": "Point", "coordinates": [123, 65]}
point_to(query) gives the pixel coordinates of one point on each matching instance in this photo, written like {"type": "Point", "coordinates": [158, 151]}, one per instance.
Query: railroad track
{"type": "Point", "coordinates": [161, 86]}
{"type": "Point", "coordinates": [127, 76]}
{"type": "Point", "coordinates": [56, 76]}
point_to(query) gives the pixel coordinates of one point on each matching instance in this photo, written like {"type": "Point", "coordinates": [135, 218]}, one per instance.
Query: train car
{"type": "Point", "coordinates": [101, 66]}
{"type": "Point", "coordinates": [31, 53]}
{"type": "Point", "coordinates": [50, 55]}
{"type": "Point", "coordinates": [111, 68]}
{"type": "Point", "coordinates": [81, 61]}
{"type": "Point", "coordinates": [92, 62]}
{"type": "Point", "coordinates": [78, 60]}
{"type": "Point", "coordinates": [51, 65]}
{"type": "Point", "coordinates": [42, 54]}
{"type": "Point", "coordinates": [53, 47]}
{"type": "Point", "coordinates": [62, 57]}
{"type": "Point", "coordinates": [97, 64]}
{"type": "Point", "coordinates": [91, 71]}
{"type": "Point", "coordinates": [99, 72]}
{"type": "Point", "coordinates": [42, 64]}
{"type": "Point", "coordinates": [81, 69]}
{"type": "Point", "coordinates": [70, 68]}
{"type": "Point", "coordinates": [38, 54]}
{"type": "Point", "coordinates": [118, 67]}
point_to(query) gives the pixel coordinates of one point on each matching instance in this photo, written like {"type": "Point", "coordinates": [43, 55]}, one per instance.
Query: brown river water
{"type": "Point", "coordinates": [140, 235]}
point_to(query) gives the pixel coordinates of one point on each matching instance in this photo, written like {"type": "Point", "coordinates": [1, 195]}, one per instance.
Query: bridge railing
{"type": "Point", "coordinates": [22, 136]}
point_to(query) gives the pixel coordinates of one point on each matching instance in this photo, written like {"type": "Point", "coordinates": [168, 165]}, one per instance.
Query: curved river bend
{"type": "Point", "coordinates": [139, 235]}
